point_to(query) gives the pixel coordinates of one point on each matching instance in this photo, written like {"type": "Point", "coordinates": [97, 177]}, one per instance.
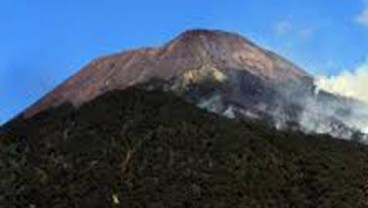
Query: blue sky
{"type": "Point", "coordinates": [43, 42]}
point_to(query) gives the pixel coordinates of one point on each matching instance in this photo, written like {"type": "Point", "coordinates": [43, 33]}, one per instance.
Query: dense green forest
{"type": "Point", "coordinates": [136, 148]}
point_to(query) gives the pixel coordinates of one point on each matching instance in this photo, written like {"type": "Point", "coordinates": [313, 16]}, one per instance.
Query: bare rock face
{"type": "Point", "coordinates": [219, 71]}
{"type": "Point", "coordinates": [192, 51]}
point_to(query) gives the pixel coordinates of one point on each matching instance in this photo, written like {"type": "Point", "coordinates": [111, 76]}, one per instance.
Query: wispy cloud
{"type": "Point", "coordinates": [283, 27]}
{"type": "Point", "coordinates": [362, 18]}
{"type": "Point", "coordinates": [305, 33]}
{"type": "Point", "coordinates": [287, 27]}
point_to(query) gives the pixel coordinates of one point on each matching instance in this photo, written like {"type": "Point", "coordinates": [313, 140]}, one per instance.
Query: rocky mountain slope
{"type": "Point", "coordinates": [136, 148]}
{"type": "Point", "coordinates": [223, 73]}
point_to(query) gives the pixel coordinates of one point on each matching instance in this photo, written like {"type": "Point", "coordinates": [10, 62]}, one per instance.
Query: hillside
{"type": "Point", "coordinates": [135, 148]}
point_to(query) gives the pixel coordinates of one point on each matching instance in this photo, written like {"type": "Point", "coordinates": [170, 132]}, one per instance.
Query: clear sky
{"type": "Point", "coordinates": [43, 42]}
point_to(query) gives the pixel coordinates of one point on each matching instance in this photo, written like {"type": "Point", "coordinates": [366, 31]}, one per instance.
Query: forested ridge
{"type": "Point", "coordinates": [137, 148]}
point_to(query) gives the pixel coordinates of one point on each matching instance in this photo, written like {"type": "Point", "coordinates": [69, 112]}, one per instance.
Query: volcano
{"type": "Point", "coordinates": [220, 71]}
{"type": "Point", "coordinates": [133, 130]}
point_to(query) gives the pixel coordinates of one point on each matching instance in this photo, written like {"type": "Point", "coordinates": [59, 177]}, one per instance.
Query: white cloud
{"type": "Point", "coordinates": [352, 84]}
{"type": "Point", "coordinates": [362, 18]}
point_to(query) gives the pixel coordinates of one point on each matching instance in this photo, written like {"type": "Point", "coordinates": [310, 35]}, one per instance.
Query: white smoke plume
{"type": "Point", "coordinates": [352, 84]}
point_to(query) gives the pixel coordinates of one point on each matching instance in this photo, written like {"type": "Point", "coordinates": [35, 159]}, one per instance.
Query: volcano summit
{"type": "Point", "coordinates": [222, 72]}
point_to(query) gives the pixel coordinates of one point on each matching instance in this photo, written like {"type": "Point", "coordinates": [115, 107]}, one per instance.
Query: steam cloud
{"type": "Point", "coordinates": [351, 84]}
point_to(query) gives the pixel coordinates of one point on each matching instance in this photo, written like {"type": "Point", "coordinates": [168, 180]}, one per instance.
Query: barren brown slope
{"type": "Point", "coordinates": [190, 50]}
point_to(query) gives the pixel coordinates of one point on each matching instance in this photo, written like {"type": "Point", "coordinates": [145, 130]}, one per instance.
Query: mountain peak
{"type": "Point", "coordinates": [220, 71]}
{"type": "Point", "coordinates": [207, 33]}
{"type": "Point", "coordinates": [211, 40]}
{"type": "Point", "coordinates": [198, 55]}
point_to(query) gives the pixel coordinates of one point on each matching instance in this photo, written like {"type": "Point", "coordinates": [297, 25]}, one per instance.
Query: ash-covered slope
{"type": "Point", "coordinates": [220, 71]}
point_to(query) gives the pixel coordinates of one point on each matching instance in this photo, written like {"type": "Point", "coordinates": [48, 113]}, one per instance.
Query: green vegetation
{"type": "Point", "coordinates": [135, 148]}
